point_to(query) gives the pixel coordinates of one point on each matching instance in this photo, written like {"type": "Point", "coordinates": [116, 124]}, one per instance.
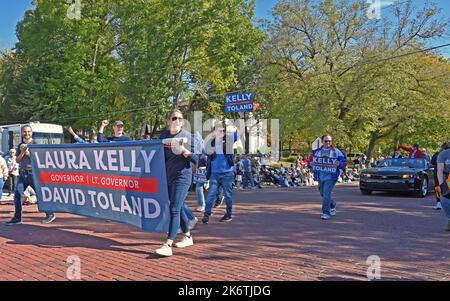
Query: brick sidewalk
{"type": "Point", "coordinates": [276, 234]}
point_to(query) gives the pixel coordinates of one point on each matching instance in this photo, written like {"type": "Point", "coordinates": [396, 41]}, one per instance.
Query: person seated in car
{"type": "Point", "coordinates": [414, 151]}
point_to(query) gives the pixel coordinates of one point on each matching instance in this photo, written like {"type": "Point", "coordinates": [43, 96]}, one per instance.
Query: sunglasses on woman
{"type": "Point", "coordinates": [177, 118]}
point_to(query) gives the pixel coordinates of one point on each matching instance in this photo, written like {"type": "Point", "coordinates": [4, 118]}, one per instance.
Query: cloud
{"type": "Point", "coordinates": [386, 3]}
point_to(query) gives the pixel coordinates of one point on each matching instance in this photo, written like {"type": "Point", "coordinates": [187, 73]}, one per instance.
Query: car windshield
{"type": "Point", "coordinates": [403, 162]}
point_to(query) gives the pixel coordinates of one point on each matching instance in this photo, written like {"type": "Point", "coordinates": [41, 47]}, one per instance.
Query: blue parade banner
{"type": "Point", "coordinates": [239, 102]}
{"type": "Point", "coordinates": [124, 182]}
{"type": "Point", "coordinates": [324, 165]}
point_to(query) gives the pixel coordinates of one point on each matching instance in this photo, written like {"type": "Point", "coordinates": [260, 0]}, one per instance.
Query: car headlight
{"type": "Point", "coordinates": [367, 175]}
{"type": "Point", "coordinates": [407, 176]}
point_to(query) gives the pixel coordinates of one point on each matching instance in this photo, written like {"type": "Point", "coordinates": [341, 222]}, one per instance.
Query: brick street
{"type": "Point", "coordinates": [276, 234]}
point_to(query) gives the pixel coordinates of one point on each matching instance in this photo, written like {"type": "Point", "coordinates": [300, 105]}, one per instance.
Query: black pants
{"type": "Point", "coordinates": [436, 183]}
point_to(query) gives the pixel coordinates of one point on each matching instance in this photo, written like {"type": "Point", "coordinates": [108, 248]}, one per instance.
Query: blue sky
{"type": "Point", "coordinates": [12, 11]}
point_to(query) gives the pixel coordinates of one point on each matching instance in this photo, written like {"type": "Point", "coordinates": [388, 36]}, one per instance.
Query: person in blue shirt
{"type": "Point", "coordinates": [178, 161]}
{"type": "Point", "coordinates": [200, 185]}
{"type": "Point", "coordinates": [327, 163]}
{"type": "Point", "coordinates": [118, 132]}
{"type": "Point", "coordinates": [220, 171]}
{"type": "Point", "coordinates": [248, 176]}
{"type": "Point", "coordinates": [79, 140]}
{"type": "Point", "coordinates": [282, 169]}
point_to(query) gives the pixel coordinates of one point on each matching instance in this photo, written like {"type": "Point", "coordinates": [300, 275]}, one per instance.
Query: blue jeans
{"type": "Point", "coordinates": [25, 180]}
{"type": "Point", "coordinates": [325, 188]}
{"type": "Point", "coordinates": [178, 217]}
{"type": "Point", "coordinates": [189, 214]}
{"type": "Point", "coordinates": [2, 182]}
{"type": "Point", "coordinates": [200, 194]}
{"type": "Point", "coordinates": [226, 181]}
{"type": "Point", "coordinates": [219, 194]}
{"type": "Point", "coordinates": [445, 202]}
{"type": "Point", "coordinates": [248, 178]}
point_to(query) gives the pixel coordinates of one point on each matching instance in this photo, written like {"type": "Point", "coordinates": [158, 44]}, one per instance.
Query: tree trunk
{"type": "Point", "coordinates": [371, 148]}
{"type": "Point", "coordinates": [247, 136]}
{"type": "Point", "coordinates": [155, 127]}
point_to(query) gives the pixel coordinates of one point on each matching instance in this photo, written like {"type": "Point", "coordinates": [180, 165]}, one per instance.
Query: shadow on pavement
{"type": "Point", "coordinates": [48, 237]}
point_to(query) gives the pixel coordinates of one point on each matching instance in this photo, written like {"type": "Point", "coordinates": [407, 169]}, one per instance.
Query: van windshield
{"type": "Point", "coordinates": [47, 138]}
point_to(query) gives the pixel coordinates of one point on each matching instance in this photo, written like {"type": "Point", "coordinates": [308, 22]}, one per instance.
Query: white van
{"type": "Point", "coordinates": [43, 133]}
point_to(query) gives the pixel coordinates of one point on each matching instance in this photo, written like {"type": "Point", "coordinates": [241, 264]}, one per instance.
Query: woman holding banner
{"type": "Point", "coordinates": [327, 163]}
{"type": "Point", "coordinates": [179, 177]}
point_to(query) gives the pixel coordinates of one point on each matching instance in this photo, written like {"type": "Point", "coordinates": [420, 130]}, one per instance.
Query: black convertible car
{"type": "Point", "coordinates": [399, 175]}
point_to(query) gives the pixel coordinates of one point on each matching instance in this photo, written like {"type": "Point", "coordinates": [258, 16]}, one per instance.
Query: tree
{"type": "Point", "coordinates": [129, 59]}
{"type": "Point", "coordinates": [337, 68]}
{"type": "Point", "coordinates": [181, 52]}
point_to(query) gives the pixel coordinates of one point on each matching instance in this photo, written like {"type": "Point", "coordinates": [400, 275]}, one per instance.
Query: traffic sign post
{"type": "Point", "coordinates": [316, 144]}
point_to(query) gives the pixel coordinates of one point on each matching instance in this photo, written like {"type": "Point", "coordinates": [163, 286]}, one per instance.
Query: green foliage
{"type": "Point", "coordinates": [132, 60]}
{"type": "Point", "coordinates": [291, 159]}
{"type": "Point", "coordinates": [326, 72]}
{"type": "Point", "coordinates": [319, 67]}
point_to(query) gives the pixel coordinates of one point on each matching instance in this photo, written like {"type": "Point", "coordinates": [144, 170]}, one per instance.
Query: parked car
{"type": "Point", "coordinates": [398, 175]}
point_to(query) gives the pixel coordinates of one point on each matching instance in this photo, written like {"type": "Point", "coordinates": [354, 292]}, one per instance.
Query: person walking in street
{"type": "Point", "coordinates": [201, 183]}
{"type": "Point", "coordinates": [13, 170]}
{"type": "Point", "coordinates": [443, 172]}
{"type": "Point", "coordinates": [327, 163]}
{"type": "Point", "coordinates": [25, 177]}
{"type": "Point", "coordinates": [256, 169]}
{"type": "Point", "coordinates": [3, 174]}
{"type": "Point", "coordinates": [248, 176]}
{"type": "Point", "coordinates": [433, 163]}
{"type": "Point", "coordinates": [220, 171]}
{"type": "Point", "coordinates": [239, 174]}
{"type": "Point", "coordinates": [179, 177]}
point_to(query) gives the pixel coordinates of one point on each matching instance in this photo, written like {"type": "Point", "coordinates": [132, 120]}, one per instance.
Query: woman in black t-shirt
{"type": "Point", "coordinates": [179, 177]}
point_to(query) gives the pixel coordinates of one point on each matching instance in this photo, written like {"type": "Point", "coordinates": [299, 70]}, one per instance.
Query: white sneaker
{"type": "Point", "coordinates": [325, 217]}
{"type": "Point", "coordinates": [438, 206]}
{"type": "Point", "coordinates": [165, 250]}
{"type": "Point", "coordinates": [192, 223]}
{"type": "Point", "coordinates": [200, 209]}
{"type": "Point", "coordinates": [185, 242]}
{"type": "Point", "coordinates": [333, 211]}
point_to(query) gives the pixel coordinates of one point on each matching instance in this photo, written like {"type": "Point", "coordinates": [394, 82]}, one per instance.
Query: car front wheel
{"type": "Point", "coordinates": [423, 188]}
{"type": "Point", "coordinates": [366, 192]}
